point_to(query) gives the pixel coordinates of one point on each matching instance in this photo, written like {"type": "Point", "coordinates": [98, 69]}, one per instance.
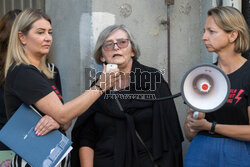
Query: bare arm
{"type": "Point", "coordinates": [239, 132]}
{"type": "Point", "coordinates": [64, 113]}
{"type": "Point", "coordinates": [86, 155]}
{"type": "Point", "coordinates": [190, 133]}
{"type": "Point", "coordinates": [66, 126]}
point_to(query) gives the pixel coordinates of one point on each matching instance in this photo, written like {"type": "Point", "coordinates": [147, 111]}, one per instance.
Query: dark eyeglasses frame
{"type": "Point", "coordinates": [115, 43]}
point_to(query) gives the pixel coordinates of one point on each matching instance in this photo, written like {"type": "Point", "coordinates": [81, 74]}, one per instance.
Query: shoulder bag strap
{"type": "Point", "coordinates": [138, 136]}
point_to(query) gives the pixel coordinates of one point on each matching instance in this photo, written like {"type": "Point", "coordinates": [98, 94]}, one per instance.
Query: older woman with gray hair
{"type": "Point", "coordinates": [120, 131]}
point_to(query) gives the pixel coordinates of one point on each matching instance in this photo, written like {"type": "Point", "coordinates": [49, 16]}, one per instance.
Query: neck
{"type": "Point", "coordinates": [34, 60]}
{"type": "Point", "coordinates": [127, 67]}
{"type": "Point", "coordinates": [230, 62]}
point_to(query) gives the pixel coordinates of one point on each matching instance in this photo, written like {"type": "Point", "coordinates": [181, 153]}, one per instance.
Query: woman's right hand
{"type": "Point", "coordinates": [107, 80]}
{"type": "Point", "coordinates": [189, 119]}
{"type": "Point", "coordinates": [189, 131]}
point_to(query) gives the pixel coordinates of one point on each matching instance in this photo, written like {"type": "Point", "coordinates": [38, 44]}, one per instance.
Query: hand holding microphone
{"type": "Point", "coordinates": [110, 67]}
{"type": "Point", "coordinates": [108, 78]}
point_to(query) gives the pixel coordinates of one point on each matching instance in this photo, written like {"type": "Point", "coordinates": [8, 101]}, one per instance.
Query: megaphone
{"type": "Point", "coordinates": [204, 88]}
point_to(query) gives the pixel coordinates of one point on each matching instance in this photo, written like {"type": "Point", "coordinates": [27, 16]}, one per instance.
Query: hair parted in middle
{"type": "Point", "coordinates": [16, 54]}
{"type": "Point", "coordinates": [105, 34]}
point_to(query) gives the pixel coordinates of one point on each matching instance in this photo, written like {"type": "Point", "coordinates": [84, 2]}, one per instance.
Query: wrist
{"type": "Point", "coordinates": [212, 130]}
{"type": "Point", "coordinates": [61, 127]}
{"type": "Point", "coordinates": [98, 87]}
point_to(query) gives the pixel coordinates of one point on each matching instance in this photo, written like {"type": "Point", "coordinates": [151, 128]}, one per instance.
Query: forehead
{"type": "Point", "coordinates": [117, 34]}
{"type": "Point", "coordinates": [210, 23]}
{"type": "Point", "coordinates": [41, 23]}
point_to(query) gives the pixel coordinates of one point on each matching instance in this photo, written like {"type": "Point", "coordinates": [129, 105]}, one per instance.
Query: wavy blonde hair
{"type": "Point", "coordinates": [16, 54]}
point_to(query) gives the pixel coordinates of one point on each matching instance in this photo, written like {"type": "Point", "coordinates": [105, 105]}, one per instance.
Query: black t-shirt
{"type": "Point", "coordinates": [26, 84]}
{"type": "Point", "coordinates": [3, 118]}
{"type": "Point", "coordinates": [235, 110]}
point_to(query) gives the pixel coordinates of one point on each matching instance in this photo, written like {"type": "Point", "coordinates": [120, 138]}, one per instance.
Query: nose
{"type": "Point", "coordinates": [204, 36]}
{"type": "Point", "coordinates": [48, 37]}
{"type": "Point", "coordinates": [116, 47]}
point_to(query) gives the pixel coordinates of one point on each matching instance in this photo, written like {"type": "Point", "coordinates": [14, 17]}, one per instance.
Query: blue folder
{"type": "Point", "coordinates": [39, 151]}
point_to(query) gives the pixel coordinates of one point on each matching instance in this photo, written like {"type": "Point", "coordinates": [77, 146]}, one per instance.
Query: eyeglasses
{"type": "Point", "coordinates": [121, 43]}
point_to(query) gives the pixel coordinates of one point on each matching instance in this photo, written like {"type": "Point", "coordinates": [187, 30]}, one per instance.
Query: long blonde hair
{"type": "Point", "coordinates": [16, 54]}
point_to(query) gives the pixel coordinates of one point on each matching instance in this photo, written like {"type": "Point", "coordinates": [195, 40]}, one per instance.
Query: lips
{"type": "Point", "coordinates": [115, 55]}
{"type": "Point", "coordinates": [207, 45]}
{"type": "Point", "coordinates": [46, 46]}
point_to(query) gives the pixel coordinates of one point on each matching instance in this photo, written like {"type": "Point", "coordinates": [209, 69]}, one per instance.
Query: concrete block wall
{"type": "Point", "coordinates": [77, 24]}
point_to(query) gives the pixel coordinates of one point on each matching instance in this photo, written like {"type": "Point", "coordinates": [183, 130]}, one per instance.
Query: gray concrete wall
{"type": "Point", "coordinates": [205, 6]}
{"type": "Point", "coordinates": [68, 43]}
{"type": "Point", "coordinates": [77, 24]}
{"type": "Point", "coordinates": [185, 47]}
{"type": "Point", "coordinates": [66, 17]}
{"type": "Point", "coordinates": [143, 18]}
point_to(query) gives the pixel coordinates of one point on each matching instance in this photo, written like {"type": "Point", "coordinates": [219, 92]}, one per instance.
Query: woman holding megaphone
{"type": "Point", "coordinates": [222, 138]}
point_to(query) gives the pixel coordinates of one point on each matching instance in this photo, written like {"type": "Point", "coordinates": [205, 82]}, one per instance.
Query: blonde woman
{"type": "Point", "coordinates": [28, 77]}
{"type": "Point", "coordinates": [222, 138]}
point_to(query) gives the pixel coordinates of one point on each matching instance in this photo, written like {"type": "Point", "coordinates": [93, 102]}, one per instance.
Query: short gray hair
{"type": "Point", "coordinates": [105, 34]}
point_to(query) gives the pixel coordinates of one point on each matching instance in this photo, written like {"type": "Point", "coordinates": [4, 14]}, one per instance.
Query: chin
{"type": "Point", "coordinates": [45, 52]}
{"type": "Point", "coordinates": [210, 50]}
{"type": "Point", "coordinates": [118, 62]}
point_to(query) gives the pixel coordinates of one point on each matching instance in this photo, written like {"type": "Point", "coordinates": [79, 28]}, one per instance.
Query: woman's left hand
{"type": "Point", "coordinates": [45, 125]}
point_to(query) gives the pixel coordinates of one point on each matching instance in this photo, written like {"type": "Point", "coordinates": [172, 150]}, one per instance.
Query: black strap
{"type": "Point", "coordinates": [138, 136]}
{"type": "Point", "coordinates": [144, 145]}
{"type": "Point", "coordinates": [212, 128]}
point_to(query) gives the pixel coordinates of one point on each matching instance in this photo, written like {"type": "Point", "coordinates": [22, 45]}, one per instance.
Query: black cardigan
{"type": "Point", "coordinates": [166, 136]}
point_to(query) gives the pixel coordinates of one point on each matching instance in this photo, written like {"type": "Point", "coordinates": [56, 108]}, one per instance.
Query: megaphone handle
{"type": "Point", "coordinates": [196, 114]}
